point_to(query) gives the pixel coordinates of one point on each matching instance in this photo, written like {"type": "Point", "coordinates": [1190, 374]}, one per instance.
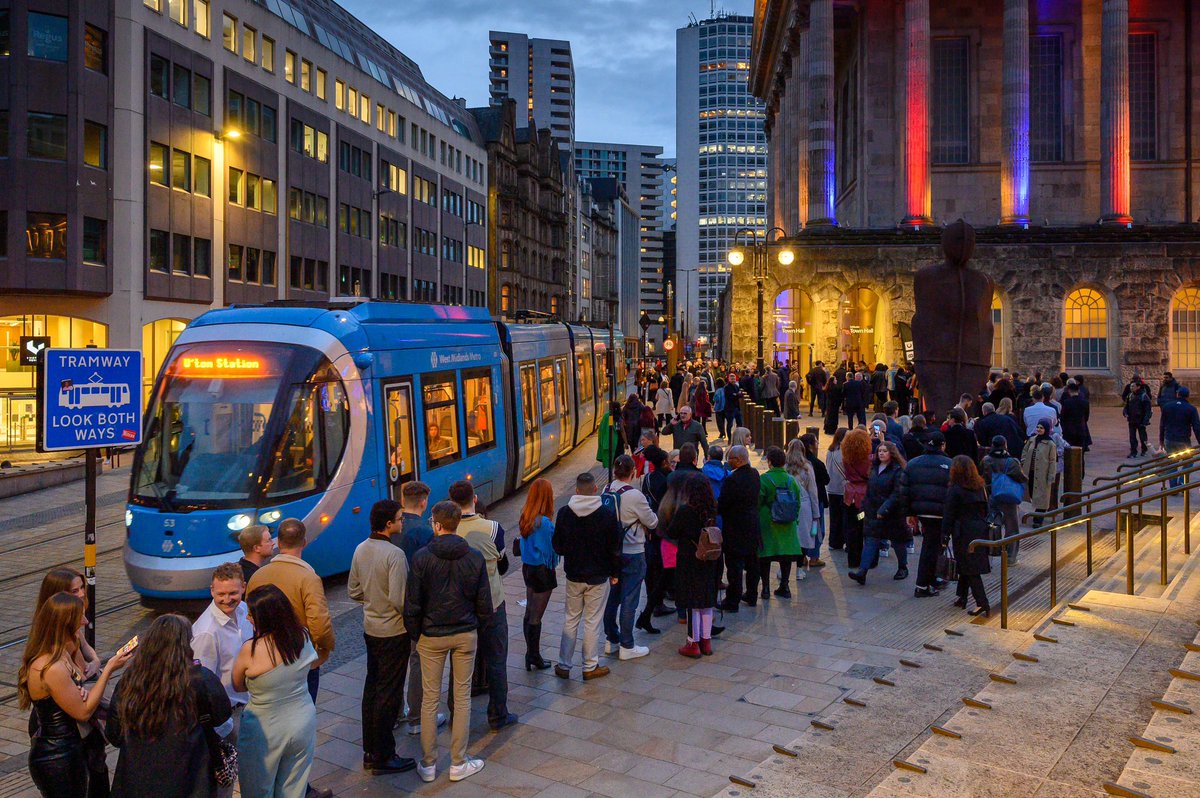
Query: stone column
{"type": "Point", "coordinates": [1114, 112]}
{"type": "Point", "coordinates": [917, 204]}
{"type": "Point", "coordinates": [1014, 128]}
{"type": "Point", "coordinates": [800, 87]}
{"type": "Point", "coordinates": [822, 174]}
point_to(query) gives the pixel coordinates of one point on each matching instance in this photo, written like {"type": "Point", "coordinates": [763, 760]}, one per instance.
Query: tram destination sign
{"type": "Point", "coordinates": [89, 398]}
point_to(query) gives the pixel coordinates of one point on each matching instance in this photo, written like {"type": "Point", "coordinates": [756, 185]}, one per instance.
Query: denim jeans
{"type": "Point", "coordinates": [1172, 447]}
{"type": "Point", "coordinates": [625, 597]}
{"type": "Point", "coordinates": [871, 550]}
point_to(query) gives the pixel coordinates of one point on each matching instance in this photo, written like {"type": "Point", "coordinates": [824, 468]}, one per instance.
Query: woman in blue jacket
{"type": "Point", "coordinates": [538, 564]}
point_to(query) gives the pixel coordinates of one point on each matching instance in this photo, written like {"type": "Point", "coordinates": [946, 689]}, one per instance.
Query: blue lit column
{"type": "Point", "coordinates": [1014, 129]}
{"type": "Point", "coordinates": [822, 174]}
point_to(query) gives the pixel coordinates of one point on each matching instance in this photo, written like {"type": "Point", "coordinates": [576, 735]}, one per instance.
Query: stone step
{"type": "Point", "coordinates": [1176, 771]}
{"type": "Point", "coordinates": [1063, 726]}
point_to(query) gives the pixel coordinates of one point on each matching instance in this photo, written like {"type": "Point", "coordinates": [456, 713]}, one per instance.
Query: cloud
{"type": "Point", "coordinates": [624, 53]}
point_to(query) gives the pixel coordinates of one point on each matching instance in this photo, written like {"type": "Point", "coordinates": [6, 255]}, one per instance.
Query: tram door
{"type": "Point", "coordinates": [531, 441]}
{"type": "Point", "coordinates": [567, 427]}
{"type": "Point", "coordinates": [402, 445]}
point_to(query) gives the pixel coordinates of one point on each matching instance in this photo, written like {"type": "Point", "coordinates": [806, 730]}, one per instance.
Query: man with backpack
{"type": "Point", "coordinates": [587, 535]}
{"type": "Point", "coordinates": [635, 517]}
{"type": "Point", "coordinates": [927, 479]}
{"type": "Point", "coordinates": [1005, 482]}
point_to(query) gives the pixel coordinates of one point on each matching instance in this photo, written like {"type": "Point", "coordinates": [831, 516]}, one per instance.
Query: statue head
{"type": "Point", "coordinates": [958, 243]}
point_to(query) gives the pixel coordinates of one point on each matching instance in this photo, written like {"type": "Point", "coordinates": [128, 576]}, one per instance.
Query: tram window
{"type": "Point", "coordinates": [549, 393]}
{"type": "Point", "coordinates": [529, 397]}
{"type": "Point", "coordinates": [441, 419]}
{"type": "Point", "coordinates": [583, 367]}
{"type": "Point", "coordinates": [602, 373]}
{"type": "Point", "coordinates": [477, 390]}
{"type": "Point", "coordinates": [400, 424]}
{"type": "Point", "coordinates": [315, 435]}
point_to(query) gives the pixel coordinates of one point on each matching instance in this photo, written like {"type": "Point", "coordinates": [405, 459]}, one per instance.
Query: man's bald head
{"type": "Point", "coordinates": [738, 456]}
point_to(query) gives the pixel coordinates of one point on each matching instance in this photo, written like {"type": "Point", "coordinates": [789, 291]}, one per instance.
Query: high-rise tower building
{"type": "Point", "coordinates": [539, 75]}
{"type": "Point", "coordinates": [640, 171]}
{"type": "Point", "coordinates": [721, 152]}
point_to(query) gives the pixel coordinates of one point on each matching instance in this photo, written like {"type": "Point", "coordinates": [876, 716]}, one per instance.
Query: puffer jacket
{"type": "Point", "coordinates": [926, 480]}
{"type": "Point", "coordinates": [447, 591]}
{"type": "Point", "coordinates": [885, 497]}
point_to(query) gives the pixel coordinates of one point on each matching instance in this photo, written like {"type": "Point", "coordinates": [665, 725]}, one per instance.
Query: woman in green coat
{"type": "Point", "coordinates": [779, 540]}
{"type": "Point", "coordinates": [608, 436]}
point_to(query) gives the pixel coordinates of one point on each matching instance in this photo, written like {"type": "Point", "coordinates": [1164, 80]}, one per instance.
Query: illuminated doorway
{"type": "Point", "coordinates": [792, 325]}
{"type": "Point", "coordinates": [862, 325]}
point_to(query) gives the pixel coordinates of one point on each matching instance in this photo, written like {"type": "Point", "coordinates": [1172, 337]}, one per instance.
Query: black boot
{"type": "Point", "coordinates": [533, 646]}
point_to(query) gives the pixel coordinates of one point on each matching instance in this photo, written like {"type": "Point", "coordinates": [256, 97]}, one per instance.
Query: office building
{"type": "Point", "coordinates": [721, 153]}
{"type": "Point", "coordinates": [617, 266]}
{"type": "Point", "coordinates": [1064, 132]}
{"type": "Point", "coordinates": [640, 172]}
{"type": "Point", "coordinates": [537, 74]}
{"type": "Point", "coordinates": [163, 157]}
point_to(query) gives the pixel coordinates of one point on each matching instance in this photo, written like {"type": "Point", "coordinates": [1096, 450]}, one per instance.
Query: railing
{"type": "Point", "coordinates": [1191, 465]}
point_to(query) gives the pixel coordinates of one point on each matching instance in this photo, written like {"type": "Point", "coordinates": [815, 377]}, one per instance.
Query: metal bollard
{"type": "Point", "coordinates": [752, 424]}
{"type": "Point", "coordinates": [777, 431]}
{"type": "Point", "coordinates": [1072, 478]}
{"type": "Point", "coordinates": [814, 431]}
{"type": "Point", "coordinates": [760, 432]}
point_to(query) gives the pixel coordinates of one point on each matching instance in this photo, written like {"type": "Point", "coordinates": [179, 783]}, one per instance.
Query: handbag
{"type": "Point", "coordinates": [947, 567]}
{"type": "Point", "coordinates": [540, 578]}
{"type": "Point", "coordinates": [222, 755]}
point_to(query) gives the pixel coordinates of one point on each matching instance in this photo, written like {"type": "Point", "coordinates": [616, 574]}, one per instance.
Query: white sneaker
{"type": "Point", "coordinates": [428, 772]}
{"type": "Point", "coordinates": [415, 728]}
{"type": "Point", "coordinates": [609, 648]}
{"type": "Point", "coordinates": [634, 653]}
{"type": "Point", "coordinates": [466, 769]}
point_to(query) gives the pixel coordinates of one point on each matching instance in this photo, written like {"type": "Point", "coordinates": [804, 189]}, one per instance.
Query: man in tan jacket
{"type": "Point", "coordinates": [303, 588]}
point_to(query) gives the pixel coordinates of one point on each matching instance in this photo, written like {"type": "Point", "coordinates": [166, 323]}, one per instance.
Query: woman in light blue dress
{"type": "Point", "coordinates": [279, 725]}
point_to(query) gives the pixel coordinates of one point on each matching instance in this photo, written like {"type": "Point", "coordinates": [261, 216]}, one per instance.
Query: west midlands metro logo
{"type": "Point", "coordinates": [433, 359]}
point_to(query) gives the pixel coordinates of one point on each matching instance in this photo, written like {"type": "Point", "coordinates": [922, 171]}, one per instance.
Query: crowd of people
{"type": "Point", "coordinates": [230, 699]}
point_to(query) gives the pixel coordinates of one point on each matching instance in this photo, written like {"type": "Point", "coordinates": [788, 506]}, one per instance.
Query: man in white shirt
{"type": "Point", "coordinates": [634, 513]}
{"type": "Point", "coordinates": [217, 637]}
{"type": "Point", "coordinates": [378, 577]}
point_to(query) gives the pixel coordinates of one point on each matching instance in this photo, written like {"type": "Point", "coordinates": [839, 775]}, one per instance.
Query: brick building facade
{"type": "Point", "coordinates": [1064, 131]}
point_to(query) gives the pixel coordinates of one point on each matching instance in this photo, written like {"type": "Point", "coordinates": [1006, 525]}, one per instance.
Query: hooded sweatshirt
{"type": "Point", "coordinates": [716, 472]}
{"type": "Point", "coordinates": [588, 536]}
{"type": "Point", "coordinates": [635, 516]}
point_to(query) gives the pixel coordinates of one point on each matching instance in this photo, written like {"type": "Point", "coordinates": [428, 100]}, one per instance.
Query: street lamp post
{"type": "Point", "coordinates": [760, 254]}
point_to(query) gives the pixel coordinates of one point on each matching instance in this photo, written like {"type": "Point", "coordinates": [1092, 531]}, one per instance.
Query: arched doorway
{"type": "Point", "coordinates": [997, 331]}
{"type": "Point", "coordinates": [792, 326]}
{"type": "Point", "coordinates": [863, 327]}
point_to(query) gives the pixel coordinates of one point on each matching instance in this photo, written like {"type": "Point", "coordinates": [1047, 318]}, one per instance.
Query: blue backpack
{"type": "Point", "coordinates": [1005, 489]}
{"type": "Point", "coordinates": [785, 508]}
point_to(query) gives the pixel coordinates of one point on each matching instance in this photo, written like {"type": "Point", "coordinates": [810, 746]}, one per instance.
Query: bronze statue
{"type": "Point", "coordinates": [952, 326]}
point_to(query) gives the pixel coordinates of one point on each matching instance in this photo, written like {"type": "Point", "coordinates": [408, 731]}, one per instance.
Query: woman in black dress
{"type": "Point", "coordinates": [691, 509]}
{"type": "Point", "coordinates": [965, 519]}
{"type": "Point", "coordinates": [834, 392]}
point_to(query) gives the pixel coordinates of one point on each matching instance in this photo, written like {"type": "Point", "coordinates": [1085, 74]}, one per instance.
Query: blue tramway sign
{"type": "Point", "coordinates": [90, 398]}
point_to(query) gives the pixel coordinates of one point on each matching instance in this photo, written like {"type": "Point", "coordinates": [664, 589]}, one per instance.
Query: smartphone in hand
{"type": "Point", "coordinates": [130, 646]}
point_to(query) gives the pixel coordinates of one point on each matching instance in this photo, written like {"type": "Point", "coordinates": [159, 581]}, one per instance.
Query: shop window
{"type": "Point", "coordinates": [439, 398]}
{"type": "Point", "coordinates": [46, 235]}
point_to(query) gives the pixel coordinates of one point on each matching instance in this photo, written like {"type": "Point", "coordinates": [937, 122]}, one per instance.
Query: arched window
{"type": "Point", "coordinates": [1185, 329]}
{"type": "Point", "coordinates": [793, 325]}
{"type": "Point", "coordinates": [997, 331]}
{"type": "Point", "coordinates": [157, 339]}
{"type": "Point", "coordinates": [506, 255]}
{"type": "Point", "coordinates": [554, 305]}
{"type": "Point", "coordinates": [506, 299]}
{"type": "Point", "coordinates": [863, 322]}
{"type": "Point", "coordinates": [1085, 329]}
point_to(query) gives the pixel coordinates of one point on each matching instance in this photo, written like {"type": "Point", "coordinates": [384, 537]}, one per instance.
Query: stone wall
{"type": "Point", "coordinates": [1138, 273]}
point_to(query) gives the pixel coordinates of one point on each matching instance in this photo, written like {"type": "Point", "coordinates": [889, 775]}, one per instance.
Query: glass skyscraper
{"type": "Point", "coordinates": [722, 163]}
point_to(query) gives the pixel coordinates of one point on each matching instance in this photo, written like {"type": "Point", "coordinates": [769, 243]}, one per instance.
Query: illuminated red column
{"type": "Point", "coordinates": [1114, 112]}
{"type": "Point", "coordinates": [917, 204]}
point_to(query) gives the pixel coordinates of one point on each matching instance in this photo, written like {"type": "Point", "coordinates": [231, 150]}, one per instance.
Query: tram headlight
{"type": "Point", "coordinates": [270, 517]}
{"type": "Point", "coordinates": [239, 522]}
{"type": "Point", "coordinates": [128, 518]}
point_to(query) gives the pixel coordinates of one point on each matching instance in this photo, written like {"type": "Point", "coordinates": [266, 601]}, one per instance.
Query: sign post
{"type": "Point", "coordinates": [89, 399]}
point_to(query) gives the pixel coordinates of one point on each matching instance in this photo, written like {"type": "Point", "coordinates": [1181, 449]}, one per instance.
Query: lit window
{"type": "Point", "coordinates": [95, 49]}
{"type": "Point", "coordinates": [46, 235]}
{"type": "Point", "coordinates": [236, 188]}
{"type": "Point", "coordinates": [249, 44]}
{"type": "Point", "coordinates": [95, 145]}
{"type": "Point", "coordinates": [1185, 329]}
{"type": "Point", "coordinates": [305, 75]}
{"type": "Point", "coordinates": [177, 11]}
{"type": "Point", "coordinates": [441, 419]}
{"type": "Point", "coordinates": [229, 33]}
{"type": "Point", "coordinates": [997, 332]}
{"type": "Point", "coordinates": [477, 391]}
{"type": "Point", "coordinates": [364, 108]}
{"type": "Point", "coordinates": [158, 164]}
{"type": "Point", "coordinates": [1085, 329]}
{"type": "Point", "coordinates": [181, 170]}
{"type": "Point", "coordinates": [202, 177]}
{"type": "Point", "coordinates": [268, 54]}
{"type": "Point", "coordinates": [321, 78]}
{"type": "Point", "coordinates": [289, 66]}
{"type": "Point", "coordinates": [201, 20]}
{"type": "Point", "coordinates": [339, 95]}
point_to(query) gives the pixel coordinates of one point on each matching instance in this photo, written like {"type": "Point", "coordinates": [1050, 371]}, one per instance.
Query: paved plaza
{"type": "Point", "coordinates": [660, 726]}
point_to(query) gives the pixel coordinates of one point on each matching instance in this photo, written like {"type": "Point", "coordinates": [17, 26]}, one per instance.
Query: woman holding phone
{"type": "Point", "coordinates": [51, 682]}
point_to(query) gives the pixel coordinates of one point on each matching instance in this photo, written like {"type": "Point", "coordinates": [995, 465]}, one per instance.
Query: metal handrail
{"type": "Point", "coordinates": [1053, 529]}
{"type": "Point", "coordinates": [1086, 498]}
{"type": "Point", "coordinates": [1158, 461]}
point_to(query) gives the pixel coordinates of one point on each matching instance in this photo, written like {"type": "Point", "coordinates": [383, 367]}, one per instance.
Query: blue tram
{"type": "Point", "coordinates": [317, 411]}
